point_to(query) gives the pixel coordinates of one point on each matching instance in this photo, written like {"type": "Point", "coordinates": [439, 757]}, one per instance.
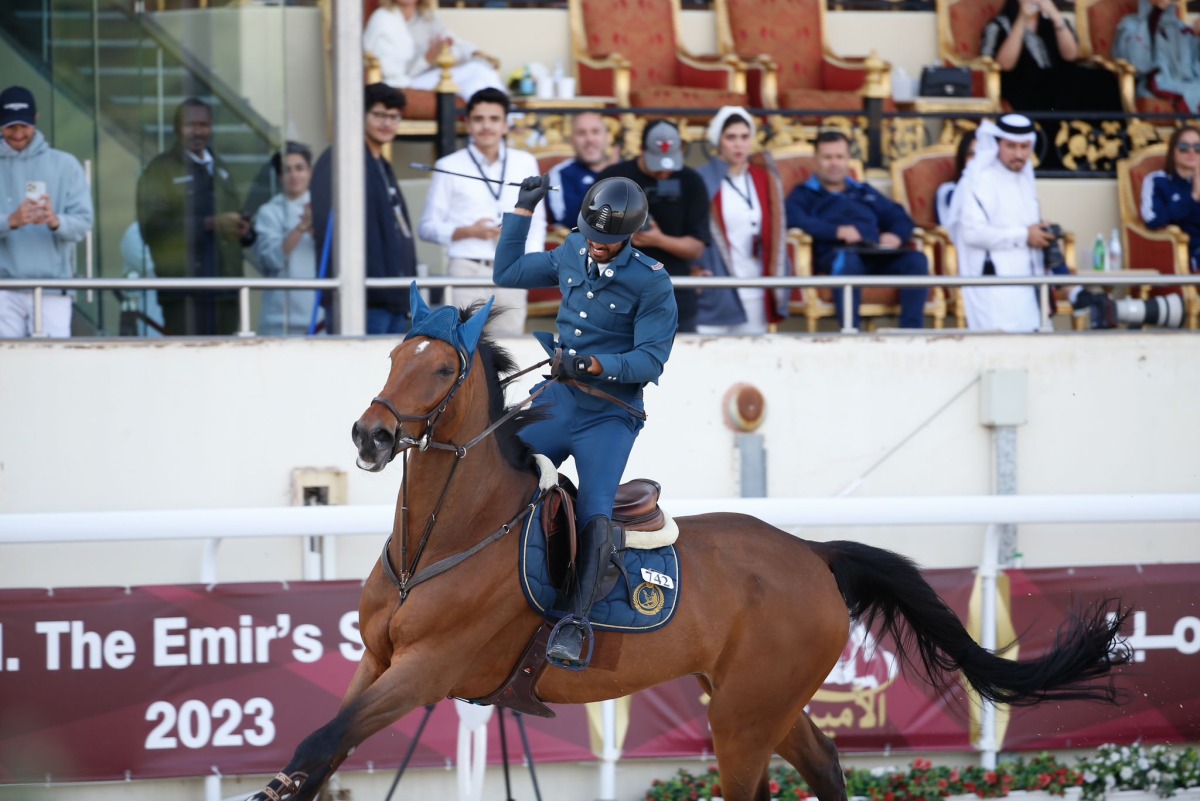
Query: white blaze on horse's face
{"type": "Point", "coordinates": [421, 348]}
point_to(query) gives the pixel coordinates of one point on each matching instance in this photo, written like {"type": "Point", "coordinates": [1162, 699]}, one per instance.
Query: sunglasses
{"type": "Point", "coordinates": [1184, 147]}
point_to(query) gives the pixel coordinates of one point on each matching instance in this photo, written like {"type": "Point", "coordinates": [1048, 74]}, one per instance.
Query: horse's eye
{"type": "Point", "coordinates": [446, 372]}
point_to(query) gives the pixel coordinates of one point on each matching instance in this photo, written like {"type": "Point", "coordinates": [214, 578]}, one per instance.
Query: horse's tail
{"type": "Point", "coordinates": [885, 587]}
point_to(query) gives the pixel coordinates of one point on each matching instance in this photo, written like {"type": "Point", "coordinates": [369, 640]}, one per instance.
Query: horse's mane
{"type": "Point", "coordinates": [497, 364]}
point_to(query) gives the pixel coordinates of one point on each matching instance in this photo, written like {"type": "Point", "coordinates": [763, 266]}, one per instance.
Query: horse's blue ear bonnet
{"type": "Point", "coordinates": [443, 325]}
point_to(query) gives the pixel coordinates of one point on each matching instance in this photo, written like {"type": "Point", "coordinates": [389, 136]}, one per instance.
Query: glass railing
{"type": "Point", "coordinates": [110, 76]}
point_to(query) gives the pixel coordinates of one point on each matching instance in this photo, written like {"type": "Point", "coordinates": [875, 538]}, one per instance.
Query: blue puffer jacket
{"type": "Point", "coordinates": [818, 212]}
{"type": "Point", "coordinates": [34, 251]}
{"type": "Point", "coordinates": [1167, 200]}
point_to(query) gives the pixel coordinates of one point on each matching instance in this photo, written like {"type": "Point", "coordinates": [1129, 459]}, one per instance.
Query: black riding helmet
{"type": "Point", "coordinates": [612, 211]}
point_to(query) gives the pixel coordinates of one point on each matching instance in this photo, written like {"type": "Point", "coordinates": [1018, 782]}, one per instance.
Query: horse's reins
{"type": "Point", "coordinates": [408, 576]}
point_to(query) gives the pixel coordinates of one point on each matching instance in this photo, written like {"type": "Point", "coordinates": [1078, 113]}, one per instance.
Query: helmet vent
{"type": "Point", "coordinates": [603, 218]}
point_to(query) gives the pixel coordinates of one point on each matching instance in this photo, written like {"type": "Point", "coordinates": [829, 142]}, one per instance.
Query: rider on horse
{"type": "Point", "coordinates": [616, 325]}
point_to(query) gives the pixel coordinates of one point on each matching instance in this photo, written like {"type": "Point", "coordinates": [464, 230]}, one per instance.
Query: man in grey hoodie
{"type": "Point", "coordinates": [45, 209]}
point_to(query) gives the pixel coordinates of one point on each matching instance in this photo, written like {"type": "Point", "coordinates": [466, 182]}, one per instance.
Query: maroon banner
{"type": "Point", "coordinates": [1159, 693]}
{"type": "Point", "coordinates": [100, 683]}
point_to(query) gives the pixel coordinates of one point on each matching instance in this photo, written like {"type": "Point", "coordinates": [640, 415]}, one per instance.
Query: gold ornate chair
{"type": "Point", "coordinates": [915, 181]}
{"type": "Point", "coordinates": [789, 64]}
{"type": "Point", "coordinates": [796, 163]}
{"type": "Point", "coordinates": [1096, 23]}
{"type": "Point", "coordinates": [632, 53]}
{"type": "Point", "coordinates": [1164, 249]}
{"type": "Point", "coordinates": [960, 25]}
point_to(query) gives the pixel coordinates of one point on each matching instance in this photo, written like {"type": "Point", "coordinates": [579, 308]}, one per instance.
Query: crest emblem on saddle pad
{"type": "Point", "coordinates": [442, 324]}
{"type": "Point", "coordinates": [648, 599]}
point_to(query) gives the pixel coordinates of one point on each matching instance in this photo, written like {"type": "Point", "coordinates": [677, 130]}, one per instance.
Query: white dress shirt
{"type": "Point", "coordinates": [455, 202]}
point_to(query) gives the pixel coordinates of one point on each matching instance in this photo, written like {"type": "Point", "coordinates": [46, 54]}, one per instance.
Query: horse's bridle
{"type": "Point", "coordinates": [408, 576]}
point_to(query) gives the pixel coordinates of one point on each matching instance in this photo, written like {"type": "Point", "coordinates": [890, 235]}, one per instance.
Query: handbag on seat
{"type": "Point", "coordinates": [939, 81]}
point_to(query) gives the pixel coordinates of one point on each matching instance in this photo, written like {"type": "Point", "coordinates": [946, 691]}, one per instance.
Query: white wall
{"type": "Point", "coordinates": [102, 426]}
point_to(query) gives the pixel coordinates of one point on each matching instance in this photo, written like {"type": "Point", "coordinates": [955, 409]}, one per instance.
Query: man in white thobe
{"type": "Point", "coordinates": [996, 225]}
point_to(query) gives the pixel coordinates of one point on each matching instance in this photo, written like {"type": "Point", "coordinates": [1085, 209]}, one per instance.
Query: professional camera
{"type": "Point", "coordinates": [1165, 311]}
{"type": "Point", "coordinates": [1053, 253]}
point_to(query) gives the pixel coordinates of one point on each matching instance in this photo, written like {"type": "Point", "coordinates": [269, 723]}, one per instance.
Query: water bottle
{"type": "Point", "coordinates": [526, 86]}
{"type": "Point", "coordinates": [1114, 251]}
{"type": "Point", "coordinates": [1098, 258]}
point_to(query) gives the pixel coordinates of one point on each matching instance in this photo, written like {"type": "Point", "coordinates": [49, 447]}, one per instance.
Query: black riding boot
{"type": "Point", "coordinates": [595, 550]}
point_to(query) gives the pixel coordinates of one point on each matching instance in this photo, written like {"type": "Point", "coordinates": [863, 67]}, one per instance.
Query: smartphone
{"type": "Point", "coordinates": [35, 190]}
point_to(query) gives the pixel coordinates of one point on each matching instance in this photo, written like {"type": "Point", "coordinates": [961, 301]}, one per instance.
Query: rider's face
{"type": "Point", "coordinates": [604, 253]}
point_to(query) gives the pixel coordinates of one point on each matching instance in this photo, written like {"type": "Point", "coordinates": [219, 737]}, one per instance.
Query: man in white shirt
{"type": "Point", "coordinates": [996, 224]}
{"type": "Point", "coordinates": [463, 214]}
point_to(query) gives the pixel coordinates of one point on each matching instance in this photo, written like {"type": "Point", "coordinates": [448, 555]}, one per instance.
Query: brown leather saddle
{"type": "Point", "coordinates": [636, 509]}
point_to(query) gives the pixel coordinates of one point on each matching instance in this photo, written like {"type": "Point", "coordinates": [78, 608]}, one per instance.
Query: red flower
{"type": "Point", "coordinates": [1043, 780]}
{"type": "Point", "coordinates": [954, 775]}
{"type": "Point", "coordinates": [774, 787]}
{"type": "Point", "coordinates": [922, 764]}
{"type": "Point", "coordinates": [716, 790]}
{"type": "Point", "coordinates": [990, 777]}
{"type": "Point", "coordinates": [943, 784]}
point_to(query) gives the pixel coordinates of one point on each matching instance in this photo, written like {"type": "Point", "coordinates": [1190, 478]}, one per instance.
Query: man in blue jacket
{"type": "Point", "coordinates": [45, 210]}
{"type": "Point", "coordinates": [616, 326]}
{"type": "Point", "coordinates": [856, 230]}
{"type": "Point", "coordinates": [391, 250]}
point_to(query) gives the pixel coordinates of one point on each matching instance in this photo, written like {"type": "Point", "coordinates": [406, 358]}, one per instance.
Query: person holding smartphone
{"type": "Point", "coordinates": [45, 209]}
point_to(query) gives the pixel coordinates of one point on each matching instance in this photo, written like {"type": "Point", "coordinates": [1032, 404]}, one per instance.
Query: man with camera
{"type": "Point", "coordinates": [676, 232]}
{"type": "Point", "coordinates": [996, 224]}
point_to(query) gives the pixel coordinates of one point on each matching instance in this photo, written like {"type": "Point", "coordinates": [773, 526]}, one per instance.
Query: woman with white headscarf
{"type": "Point", "coordinates": [748, 230]}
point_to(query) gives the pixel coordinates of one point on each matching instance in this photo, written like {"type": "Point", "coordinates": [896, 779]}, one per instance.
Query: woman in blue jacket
{"type": "Point", "coordinates": [1171, 196]}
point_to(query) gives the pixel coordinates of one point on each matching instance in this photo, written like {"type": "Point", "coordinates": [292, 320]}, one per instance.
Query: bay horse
{"type": "Point", "coordinates": [762, 621]}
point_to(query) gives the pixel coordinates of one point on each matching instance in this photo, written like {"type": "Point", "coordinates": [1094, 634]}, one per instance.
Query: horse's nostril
{"type": "Point", "coordinates": [357, 433]}
{"type": "Point", "coordinates": [383, 439]}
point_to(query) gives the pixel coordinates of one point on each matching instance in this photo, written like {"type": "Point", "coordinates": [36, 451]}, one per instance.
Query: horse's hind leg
{"type": "Point", "coordinates": [816, 757]}
{"type": "Point", "coordinates": [745, 729]}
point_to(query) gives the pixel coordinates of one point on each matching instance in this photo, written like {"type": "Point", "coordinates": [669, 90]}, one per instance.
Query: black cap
{"type": "Point", "coordinates": [17, 106]}
{"type": "Point", "coordinates": [613, 210]}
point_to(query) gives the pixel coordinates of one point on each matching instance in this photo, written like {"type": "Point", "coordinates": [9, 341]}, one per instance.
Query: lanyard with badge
{"type": "Point", "coordinates": [394, 199]}
{"type": "Point", "coordinates": [748, 197]}
{"type": "Point", "coordinates": [488, 180]}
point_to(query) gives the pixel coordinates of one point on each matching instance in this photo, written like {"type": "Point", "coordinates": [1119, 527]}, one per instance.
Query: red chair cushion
{"type": "Point", "coordinates": [685, 97]}
{"type": "Point", "coordinates": [787, 30]}
{"type": "Point", "coordinates": [822, 100]}
{"type": "Point", "coordinates": [967, 21]}
{"type": "Point", "coordinates": [643, 31]}
{"type": "Point", "coordinates": [1103, 17]}
{"type": "Point", "coordinates": [921, 182]}
{"type": "Point", "coordinates": [422, 104]}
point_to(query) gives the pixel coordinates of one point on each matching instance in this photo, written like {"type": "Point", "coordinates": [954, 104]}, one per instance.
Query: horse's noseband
{"type": "Point", "coordinates": [430, 419]}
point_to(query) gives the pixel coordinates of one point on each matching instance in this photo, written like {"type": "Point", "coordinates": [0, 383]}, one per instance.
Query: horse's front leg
{"type": "Point", "coordinates": [375, 699]}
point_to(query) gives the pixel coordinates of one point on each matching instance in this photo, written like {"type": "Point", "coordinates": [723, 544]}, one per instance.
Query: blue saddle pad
{"type": "Point", "coordinates": [653, 604]}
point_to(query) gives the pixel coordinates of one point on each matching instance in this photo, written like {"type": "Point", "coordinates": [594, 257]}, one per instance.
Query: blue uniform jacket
{"type": "Point", "coordinates": [625, 317]}
{"type": "Point", "coordinates": [1167, 200]}
{"type": "Point", "coordinates": [818, 212]}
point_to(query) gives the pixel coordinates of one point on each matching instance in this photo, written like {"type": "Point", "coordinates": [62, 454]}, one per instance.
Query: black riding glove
{"type": "Point", "coordinates": [566, 366]}
{"type": "Point", "coordinates": [533, 189]}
